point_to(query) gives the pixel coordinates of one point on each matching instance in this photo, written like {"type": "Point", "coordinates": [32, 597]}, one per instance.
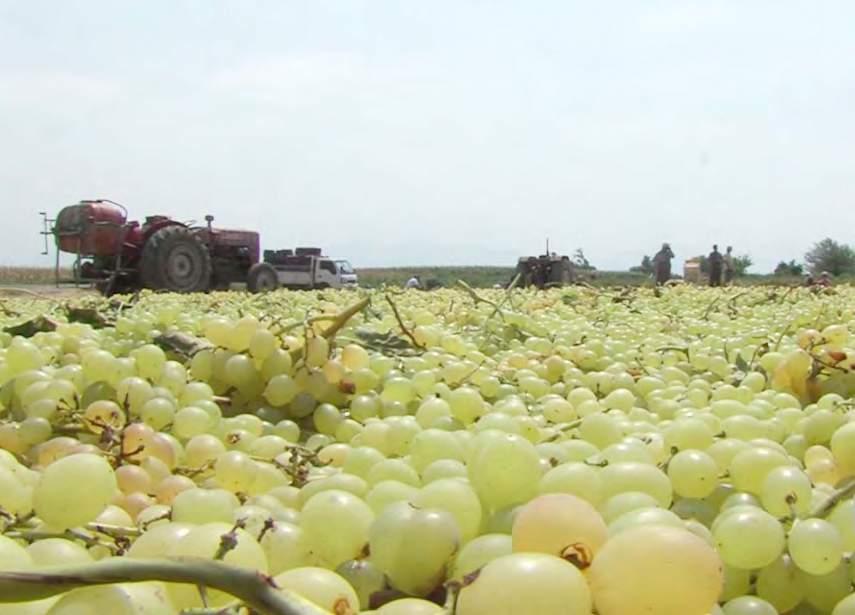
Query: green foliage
{"type": "Point", "coordinates": [741, 265]}
{"type": "Point", "coordinates": [789, 269]}
{"type": "Point", "coordinates": [831, 256]}
{"type": "Point", "coordinates": [646, 265]}
{"type": "Point", "coordinates": [580, 262]}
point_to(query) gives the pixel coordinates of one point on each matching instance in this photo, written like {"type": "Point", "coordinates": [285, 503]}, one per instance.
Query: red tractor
{"type": "Point", "coordinates": [161, 253]}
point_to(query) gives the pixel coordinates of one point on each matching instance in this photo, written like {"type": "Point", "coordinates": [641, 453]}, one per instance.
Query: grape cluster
{"type": "Point", "coordinates": [559, 452]}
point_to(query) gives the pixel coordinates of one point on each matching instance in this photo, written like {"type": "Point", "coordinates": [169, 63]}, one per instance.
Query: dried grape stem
{"type": "Point", "coordinates": [833, 500]}
{"type": "Point", "coordinates": [401, 324]}
{"type": "Point", "coordinates": [255, 589]}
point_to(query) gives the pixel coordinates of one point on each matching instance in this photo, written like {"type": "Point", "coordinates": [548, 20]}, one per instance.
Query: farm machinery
{"type": "Point", "coordinates": [545, 271]}
{"type": "Point", "coordinates": [119, 255]}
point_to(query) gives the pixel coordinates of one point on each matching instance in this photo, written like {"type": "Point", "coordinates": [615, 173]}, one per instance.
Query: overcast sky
{"type": "Point", "coordinates": [440, 132]}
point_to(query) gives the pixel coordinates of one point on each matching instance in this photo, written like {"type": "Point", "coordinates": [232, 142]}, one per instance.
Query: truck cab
{"type": "Point", "coordinates": [346, 273]}
{"type": "Point", "coordinates": [300, 269]}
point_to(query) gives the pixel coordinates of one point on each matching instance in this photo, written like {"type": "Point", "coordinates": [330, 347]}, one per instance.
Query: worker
{"type": "Point", "coordinates": [824, 279]}
{"type": "Point", "coordinates": [729, 269]}
{"type": "Point", "coordinates": [714, 260]}
{"type": "Point", "coordinates": [662, 264]}
{"type": "Point", "coordinates": [413, 282]}
{"type": "Point", "coordinates": [809, 281]}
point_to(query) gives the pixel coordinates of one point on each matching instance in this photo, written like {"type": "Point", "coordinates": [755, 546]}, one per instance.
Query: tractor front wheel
{"type": "Point", "coordinates": [262, 278]}
{"type": "Point", "coordinates": [174, 258]}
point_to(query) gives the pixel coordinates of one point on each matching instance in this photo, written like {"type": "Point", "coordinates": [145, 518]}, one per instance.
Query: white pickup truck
{"type": "Point", "coordinates": [303, 268]}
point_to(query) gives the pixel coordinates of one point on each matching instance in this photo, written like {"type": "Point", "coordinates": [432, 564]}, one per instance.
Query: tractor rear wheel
{"type": "Point", "coordinates": [262, 278]}
{"type": "Point", "coordinates": [175, 259]}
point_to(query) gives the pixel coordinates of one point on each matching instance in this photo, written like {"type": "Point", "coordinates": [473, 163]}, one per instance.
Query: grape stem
{"type": "Point", "coordinates": [833, 500]}
{"type": "Point", "coordinates": [401, 324]}
{"type": "Point", "coordinates": [479, 299]}
{"type": "Point", "coordinates": [257, 590]}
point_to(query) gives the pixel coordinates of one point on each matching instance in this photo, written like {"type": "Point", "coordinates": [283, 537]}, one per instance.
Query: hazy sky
{"type": "Point", "coordinates": [440, 132]}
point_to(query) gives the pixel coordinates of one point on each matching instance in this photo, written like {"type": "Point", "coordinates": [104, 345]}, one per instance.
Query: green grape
{"type": "Point", "coordinates": [576, 479]}
{"type": "Point", "coordinates": [737, 582]}
{"type": "Point", "coordinates": [365, 578]}
{"type": "Point", "coordinates": [662, 570]}
{"type": "Point", "coordinates": [157, 412]}
{"type": "Point", "coordinates": [622, 503]}
{"type": "Point", "coordinates": [845, 606]}
{"type": "Point", "coordinates": [526, 583]}
{"type": "Point", "coordinates": [117, 599]}
{"type": "Point", "coordinates": [58, 552]}
{"type": "Point", "coordinates": [191, 421]}
{"type": "Point", "coordinates": [443, 468]}
{"type": "Point", "coordinates": [398, 389]}
{"type": "Point", "coordinates": [278, 363]}
{"type": "Point", "coordinates": [431, 445]}
{"type": "Point", "coordinates": [150, 360]}
{"type": "Point", "coordinates": [51, 497]}
{"type": "Point", "coordinates": [554, 522]}
{"type": "Point", "coordinates": [749, 605]}
{"type": "Point", "coordinates": [693, 474]}
{"type": "Point", "coordinates": [361, 459]}
{"type": "Point", "coordinates": [559, 410]}
{"type": "Point", "coordinates": [480, 551]}
{"type": "Point", "coordinates": [262, 344]}
{"type": "Point", "coordinates": [204, 506]}
{"type": "Point", "coordinates": [505, 471]}
{"type": "Point", "coordinates": [456, 497]}
{"type": "Point", "coordinates": [409, 606]}
{"type": "Point", "coordinates": [103, 414]}
{"type": "Point", "coordinates": [466, 404]}
{"type": "Point", "coordinates": [629, 476]}
{"type": "Point", "coordinates": [202, 450]}
{"type": "Point", "coordinates": [195, 392]}
{"type": "Point", "coordinates": [823, 592]}
{"type": "Point", "coordinates": [843, 447]}
{"type": "Point", "coordinates": [326, 419]}
{"type": "Point", "coordinates": [786, 489]}
{"type": "Point", "coordinates": [388, 492]}
{"type": "Point", "coordinates": [393, 469]}
{"type": "Point", "coordinates": [280, 390]}
{"type": "Point", "coordinates": [158, 539]}
{"type": "Point", "coordinates": [284, 547]}
{"type": "Point", "coordinates": [322, 587]}
{"type": "Point", "coordinates": [412, 546]}
{"type": "Point", "coordinates": [749, 468]}
{"type": "Point", "coordinates": [749, 538]}
{"type": "Point", "coordinates": [401, 433]}
{"type": "Point", "coordinates": [335, 526]}
{"type": "Point", "coordinates": [815, 546]}
{"type": "Point", "coordinates": [204, 541]}
{"type": "Point", "coordinates": [644, 516]}
{"type": "Point", "coordinates": [132, 479]}
{"type": "Point", "coordinates": [843, 518]}
{"type": "Point", "coordinates": [600, 429]}
{"type": "Point", "coordinates": [778, 584]}
{"type": "Point", "coordinates": [235, 471]}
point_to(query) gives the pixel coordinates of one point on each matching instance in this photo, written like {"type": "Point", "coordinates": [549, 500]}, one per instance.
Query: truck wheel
{"type": "Point", "coordinates": [175, 259]}
{"type": "Point", "coordinates": [262, 278]}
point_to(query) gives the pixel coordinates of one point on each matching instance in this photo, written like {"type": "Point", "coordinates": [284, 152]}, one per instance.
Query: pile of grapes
{"type": "Point", "coordinates": [568, 452]}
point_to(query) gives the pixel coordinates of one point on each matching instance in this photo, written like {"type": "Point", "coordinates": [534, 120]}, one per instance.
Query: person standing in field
{"type": "Point", "coordinates": [715, 262]}
{"type": "Point", "coordinates": [662, 264]}
{"type": "Point", "coordinates": [729, 269]}
{"type": "Point", "coordinates": [413, 282]}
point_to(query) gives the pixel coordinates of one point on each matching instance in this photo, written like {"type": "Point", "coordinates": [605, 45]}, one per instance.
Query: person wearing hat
{"type": "Point", "coordinates": [824, 279]}
{"type": "Point", "coordinates": [662, 264]}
